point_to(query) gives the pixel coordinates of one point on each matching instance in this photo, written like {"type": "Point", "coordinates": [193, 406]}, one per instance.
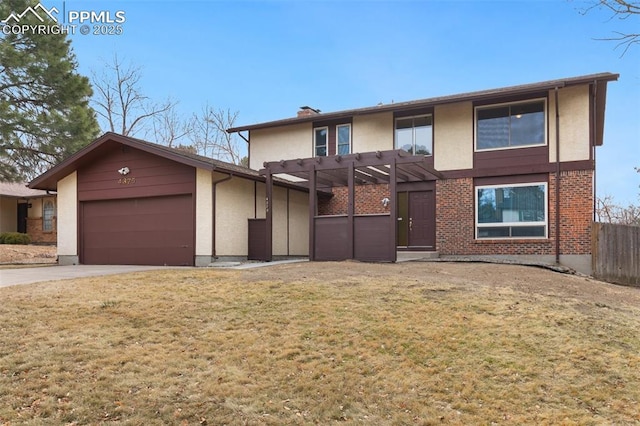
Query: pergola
{"type": "Point", "coordinates": [365, 237]}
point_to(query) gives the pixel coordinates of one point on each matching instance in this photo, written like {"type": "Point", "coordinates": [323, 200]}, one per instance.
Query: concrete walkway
{"type": "Point", "coordinates": [17, 276]}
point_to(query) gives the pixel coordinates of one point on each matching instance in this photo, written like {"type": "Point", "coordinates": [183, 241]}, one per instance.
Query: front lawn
{"type": "Point", "coordinates": [322, 343]}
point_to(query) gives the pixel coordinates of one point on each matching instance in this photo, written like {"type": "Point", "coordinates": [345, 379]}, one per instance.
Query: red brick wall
{"type": "Point", "coordinates": [576, 211]}
{"type": "Point", "coordinates": [455, 220]}
{"type": "Point", "coordinates": [455, 216]}
{"type": "Point", "coordinates": [368, 200]}
{"type": "Point", "coordinates": [34, 229]}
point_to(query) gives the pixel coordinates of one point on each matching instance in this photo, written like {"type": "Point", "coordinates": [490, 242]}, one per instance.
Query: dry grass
{"type": "Point", "coordinates": [321, 344]}
{"type": "Point", "coordinates": [13, 254]}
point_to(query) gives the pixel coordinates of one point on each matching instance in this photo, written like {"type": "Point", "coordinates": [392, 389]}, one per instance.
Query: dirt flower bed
{"type": "Point", "coordinates": [26, 254]}
{"type": "Point", "coordinates": [322, 343]}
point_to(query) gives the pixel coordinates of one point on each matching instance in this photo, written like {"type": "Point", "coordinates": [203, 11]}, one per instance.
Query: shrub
{"type": "Point", "coordinates": [14, 238]}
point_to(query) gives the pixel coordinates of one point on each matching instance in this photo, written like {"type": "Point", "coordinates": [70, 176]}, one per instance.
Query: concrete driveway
{"type": "Point", "coordinates": [51, 273]}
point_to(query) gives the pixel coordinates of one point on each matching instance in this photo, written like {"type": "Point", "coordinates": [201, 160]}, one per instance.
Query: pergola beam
{"type": "Point", "coordinates": [378, 158]}
{"type": "Point", "coordinates": [363, 176]}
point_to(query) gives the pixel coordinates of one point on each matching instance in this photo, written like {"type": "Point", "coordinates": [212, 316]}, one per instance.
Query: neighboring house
{"type": "Point", "coordinates": [29, 211]}
{"type": "Point", "coordinates": [502, 173]}
{"type": "Point", "coordinates": [126, 201]}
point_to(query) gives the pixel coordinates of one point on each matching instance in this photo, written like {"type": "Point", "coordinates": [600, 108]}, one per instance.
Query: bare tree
{"type": "Point", "coordinates": [120, 102]}
{"type": "Point", "coordinates": [209, 134]}
{"type": "Point", "coordinates": [623, 10]}
{"type": "Point", "coordinates": [123, 108]}
{"type": "Point", "coordinates": [608, 211]}
{"type": "Point", "coordinates": [169, 128]}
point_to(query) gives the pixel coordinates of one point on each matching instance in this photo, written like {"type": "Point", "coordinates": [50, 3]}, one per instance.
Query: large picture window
{"type": "Point", "coordinates": [511, 211]}
{"type": "Point", "coordinates": [415, 134]}
{"type": "Point", "coordinates": [510, 125]}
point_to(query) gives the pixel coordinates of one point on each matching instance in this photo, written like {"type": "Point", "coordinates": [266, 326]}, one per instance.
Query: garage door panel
{"type": "Point", "coordinates": [146, 223]}
{"type": "Point", "coordinates": [147, 240]}
{"type": "Point", "coordinates": [144, 231]}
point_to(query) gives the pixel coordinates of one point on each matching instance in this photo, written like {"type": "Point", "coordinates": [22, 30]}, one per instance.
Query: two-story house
{"type": "Point", "coordinates": [507, 172]}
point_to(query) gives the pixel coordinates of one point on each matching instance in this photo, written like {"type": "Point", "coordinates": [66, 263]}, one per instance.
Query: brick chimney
{"type": "Point", "coordinates": [306, 111]}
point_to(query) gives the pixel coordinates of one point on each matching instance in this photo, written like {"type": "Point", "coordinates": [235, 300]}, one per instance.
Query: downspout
{"type": "Point", "coordinates": [557, 177]}
{"type": "Point", "coordinates": [248, 145]}
{"type": "Point", "coordinates": [214, 184]}
{"type": "Point", "coordinates": [594, 136]}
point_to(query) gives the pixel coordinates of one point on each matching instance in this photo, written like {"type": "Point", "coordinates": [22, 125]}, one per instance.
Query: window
{"type": "Point", "coordinates": [332, 139]}
{"type": "Point", "coordinates": [344, 139]}
{"type": "Point", "coordinates": [415, 135]}
{"type": "Point", "coordinates": [48, 211]}
{"type": "Point", "coordinates": [320, 139]}
{"type": "Point", "coordinates": [511, 211]}
{"type": "Point", "coordinates": [510, 126]}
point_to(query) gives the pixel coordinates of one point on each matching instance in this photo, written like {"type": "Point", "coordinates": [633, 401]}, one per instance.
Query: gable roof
{"type": "Point", "coordinates": [49, 179]}
{"type": "Point", "coordinates": [600, 79]}
{"type": "Point", "coordinates": [19, 190]}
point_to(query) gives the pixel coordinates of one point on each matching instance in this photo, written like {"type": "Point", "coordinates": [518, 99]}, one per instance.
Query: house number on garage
{"type": "Point", "coordinates": [127, 181]}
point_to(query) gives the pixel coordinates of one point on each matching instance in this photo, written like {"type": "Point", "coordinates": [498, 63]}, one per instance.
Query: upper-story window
{"type": "Point", "coordinates": [332, 139]}
{"type": "Point", "coordinates": [320, 141]}
{"type": "Point", "coordinates": [415, 134]}
{"type": "Point", "coordinates": [510, 125]}
{"type": "Point", "coordinates": [343, 137]}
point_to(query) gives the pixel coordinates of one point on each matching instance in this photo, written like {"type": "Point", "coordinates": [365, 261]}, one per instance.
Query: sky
{"type": "Point", "coordinates": [265, 59]}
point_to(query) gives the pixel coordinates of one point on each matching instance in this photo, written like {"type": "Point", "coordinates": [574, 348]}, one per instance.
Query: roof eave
{"type": "Point", "coordinates": [470, 96]}
{"type": "Point", "coordinates": [49, 179]}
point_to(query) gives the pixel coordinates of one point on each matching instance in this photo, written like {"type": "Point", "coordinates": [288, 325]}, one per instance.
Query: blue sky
{"type": "Point", "coordinates": [267, 58]}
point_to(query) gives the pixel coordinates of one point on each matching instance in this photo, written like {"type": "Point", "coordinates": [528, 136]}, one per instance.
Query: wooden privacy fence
{"type": "Point", "coordinates": [616, 253]}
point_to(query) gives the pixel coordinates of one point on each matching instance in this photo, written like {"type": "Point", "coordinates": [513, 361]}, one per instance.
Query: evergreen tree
{"type": "Point", "coordinates": [44, 103]}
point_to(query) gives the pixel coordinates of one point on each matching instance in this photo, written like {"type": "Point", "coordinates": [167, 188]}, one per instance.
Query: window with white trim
{"type": "Point", "coordinates": [511, 211]}
{"type": "Point", "coordinates": [320, 141]}
{"type": "Point", "coordinates": [343, 132]}
{"type": "Point", "coordinates": [513, 125]}
{"type": "Point", "coordinates": [415, 134]}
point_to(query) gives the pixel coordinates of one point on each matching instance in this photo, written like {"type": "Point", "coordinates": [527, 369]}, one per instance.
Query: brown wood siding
{"type": "Point", "coordinates": [509, 170]}
{"type": "Point", "coordinates": [506, 180]}
{"type": "Point", "coordinates": [517, 157]}
{"type": "Point", "coordinates": [373, 239]}
{"type": "Point", "coordinates": [149, 176]}
{"type": "Point", "coordinates": [413, 112]}
{"type": "Point", "coordinates": [257, 239]}
{"type": "Point", "coordinates": [331, 238]}
{"type": "Point", "coordinates": [142, 231]}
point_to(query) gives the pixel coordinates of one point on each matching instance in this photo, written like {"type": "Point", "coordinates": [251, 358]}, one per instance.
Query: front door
{"type": "Point", "coordinates": [417, 220]}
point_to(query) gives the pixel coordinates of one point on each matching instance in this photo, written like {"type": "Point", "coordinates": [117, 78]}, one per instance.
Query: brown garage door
{"type": "Point", "coordinates": [141, 231]}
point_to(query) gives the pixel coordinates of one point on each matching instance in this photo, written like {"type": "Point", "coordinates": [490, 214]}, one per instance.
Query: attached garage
{"type": "Point", "coordinates": [138, 231]}
{"type": "Point", "coordinates": [126, 201]}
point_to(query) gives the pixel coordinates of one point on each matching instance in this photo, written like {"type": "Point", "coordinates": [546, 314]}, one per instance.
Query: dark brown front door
{"type": "Point", "coordinates": [417, 220]}
{"type": "Point", "coordinates": [138, 231]}
{"type": "Point", "coordinates": [422, 219]}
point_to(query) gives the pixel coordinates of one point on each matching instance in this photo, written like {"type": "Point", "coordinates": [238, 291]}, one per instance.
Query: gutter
{"type": "Point", "coordinates": [214, 184]}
